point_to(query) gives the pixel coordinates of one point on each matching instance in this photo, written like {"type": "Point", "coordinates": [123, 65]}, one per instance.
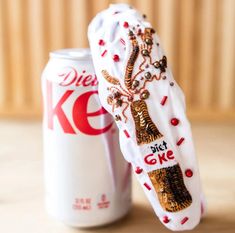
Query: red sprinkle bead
{"type": "Point", "coordinates": [126, 133]}
{"type": "Point", "coordinates": [123, 41]}
{"type": "Point", "coordinates": [174, 121]}
{"type": "Point", "coordinates": [138, 170]}
{"type": "Point", "coordinates": [116, 58]}
{"type": "Point", "coordinates": [180, 142]}
{"type": "Point", "coordinates": [165, 219]}
{"type": "Point", "coordinates": [163, 100]}
{"type": "Point", "coordinates": [125, 24]}
{"type": "Point", "coordinates": [101, 42]}
{"type": "Point", "coordinates": [189, 173]}
{"type": "Point", "coordinates": [147, 186]}
{"type": "Point", "coordinates": [184, 220]}
{"type": "Point", "coordinates": [105, 51]}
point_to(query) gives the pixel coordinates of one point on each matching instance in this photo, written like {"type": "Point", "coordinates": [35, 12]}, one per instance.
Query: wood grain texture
{"type": "Point", "coordinates": [22, 198]}
{"type": "Point", "coordinates": [167, 28]}
{"type": "Point", "coordinates": [186, 46]}
{"type": "Point", "coordinates": [38, 52]}
{"type": "Point", "coordinates": [206, 53]}
{"type": "Point", "coordinates": [15, 31]}
{"type": "Point", "coordinates": [227, 55]}
{"type": "Point", "coordinates": [3, 74]}
{"type": "Point", "coordinates": [198, 38]}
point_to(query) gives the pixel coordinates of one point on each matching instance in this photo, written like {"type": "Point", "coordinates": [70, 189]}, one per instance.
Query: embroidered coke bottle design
{"type": "Point", "coordinates": [168, 180]}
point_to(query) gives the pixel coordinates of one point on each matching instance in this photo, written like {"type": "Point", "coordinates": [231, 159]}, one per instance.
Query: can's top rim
{"type": "Point", "coordinates": [72, 53]}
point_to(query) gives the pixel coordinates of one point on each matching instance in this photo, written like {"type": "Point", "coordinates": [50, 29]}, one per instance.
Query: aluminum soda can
{"type": "Point", "coordinates": [87, 181]}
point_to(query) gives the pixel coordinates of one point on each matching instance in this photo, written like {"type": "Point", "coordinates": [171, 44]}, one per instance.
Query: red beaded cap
{"type": "Point", "coordinates": [101, 42]}
{"type": "Point", "coordinates": [174, 121]}
{"type": "Point", "coordinates": [116, 58]}
{"type": "Point", "coordinates": [138, 170]}
{"type": "Point", "coordinates": [125, 24]}
{"type": "Point", "coordinates": [165, 219]}
{"type": "Point", "coordinates": [189, 173]}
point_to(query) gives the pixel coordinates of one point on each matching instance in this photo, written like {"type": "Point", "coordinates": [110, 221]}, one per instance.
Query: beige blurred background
{"type": "Point", "coordinates": [198, 37]}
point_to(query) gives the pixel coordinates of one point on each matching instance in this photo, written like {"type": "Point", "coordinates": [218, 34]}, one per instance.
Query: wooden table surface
{"type": "Point", "coordinates": [21, 184]}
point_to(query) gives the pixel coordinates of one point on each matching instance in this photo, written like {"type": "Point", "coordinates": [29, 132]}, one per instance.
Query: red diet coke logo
{"type": "Point", "coordinates": [79, 108]}
{"type": "Point", "coordinates": [71, 77]}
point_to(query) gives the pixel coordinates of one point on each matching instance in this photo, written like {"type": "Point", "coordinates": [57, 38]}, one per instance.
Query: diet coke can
{"type": "Point", "coordinates": [87, 181]}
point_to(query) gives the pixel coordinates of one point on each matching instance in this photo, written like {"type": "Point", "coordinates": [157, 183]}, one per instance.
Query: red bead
{"type": "Point", "coordinates": [123, 41]}
{"type": "Point", "coordinates": [189, 173]}
{"type": "Point", "coordinates": [125, 24]}
{"type": "Point", "coordinates": [165, 219]}
{"type": "Point", "coordinates": [180, 142]}
{"type": "Point", "coordinates": [138, 170]}
{"type": "Point", "coordinates": [126, 133]}
{"type": "Point", "coordinates": [184, 220]}
{"type": "Point", "coordinates": [147, 186]}
{"type": "Point", "coordinates": [101, 42]}
{"type": "Point", "coordinates": [105, 51]}
{"type": "Point", "coordinates": [163, 100]}
{"type": "Point", "coordinates": [116, 58]}
{"type": "Point", "coordinates": [174, 121]}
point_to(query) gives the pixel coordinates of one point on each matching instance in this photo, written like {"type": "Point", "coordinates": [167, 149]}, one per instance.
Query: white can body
{"type": "Point", "coordinates": [87, 181]}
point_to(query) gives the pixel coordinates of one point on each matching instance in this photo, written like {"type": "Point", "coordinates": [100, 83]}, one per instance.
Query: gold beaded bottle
{"type": "Point", "coordinates": [168, 182]}
{"type": "Point", "coordinates": [169, 185]}
{"type": "Point", "coordinates": [146, 130]}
